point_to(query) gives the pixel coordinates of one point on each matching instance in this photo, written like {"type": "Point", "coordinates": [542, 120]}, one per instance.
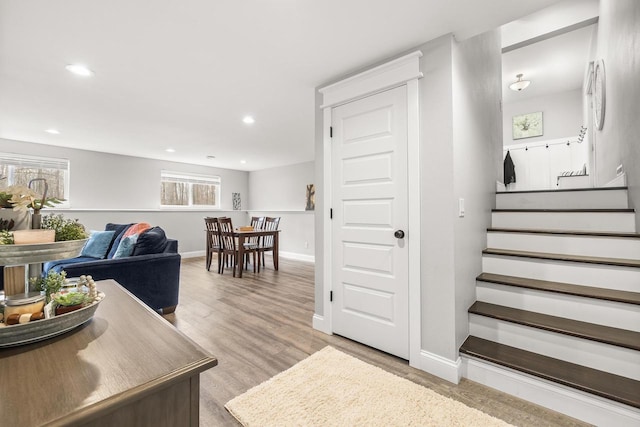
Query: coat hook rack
{"type": "Point", "coordinates": [581, 134]}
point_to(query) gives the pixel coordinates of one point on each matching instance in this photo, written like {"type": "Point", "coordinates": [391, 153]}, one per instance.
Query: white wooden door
{"type": "Point", "coordinates": [369, 202]}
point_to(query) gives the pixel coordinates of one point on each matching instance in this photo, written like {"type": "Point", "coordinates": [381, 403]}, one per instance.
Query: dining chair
{"type": "Point", "coordinates": [256, 223]}
{"type": "Point", "coordinates": [266, 243]}
{"type": "Point", "coordinates": [229, 247]}
{"type": "Point", "coordinates": [213, 242]}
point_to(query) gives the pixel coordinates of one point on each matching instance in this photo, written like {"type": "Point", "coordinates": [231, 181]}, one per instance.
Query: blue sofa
{"type": "Point", "coordinates": [151, 272]}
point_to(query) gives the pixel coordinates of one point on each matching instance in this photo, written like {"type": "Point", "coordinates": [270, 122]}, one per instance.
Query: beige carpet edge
{"type": "Point", "coordinates": [333, 388]}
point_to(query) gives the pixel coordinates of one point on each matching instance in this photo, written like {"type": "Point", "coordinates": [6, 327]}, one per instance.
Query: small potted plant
{"type": "Point", "coordinates": [65, 229]}
{"type": "Point", "coordinates": [50, 284]}
{"type": "Point", "coordinates": [68, 301]}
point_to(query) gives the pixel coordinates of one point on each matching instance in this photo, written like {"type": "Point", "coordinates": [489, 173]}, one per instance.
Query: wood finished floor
{"type": "Point", "coordinates": [260, 325]}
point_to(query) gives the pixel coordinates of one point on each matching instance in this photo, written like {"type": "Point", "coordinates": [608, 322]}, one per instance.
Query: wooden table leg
{"type": "Point", "coordinates": [275, 250]}
{"type": "Point", "coordinates": [240, 259]}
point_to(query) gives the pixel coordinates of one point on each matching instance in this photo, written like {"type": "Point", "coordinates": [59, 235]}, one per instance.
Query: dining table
{"type": "Point", "coordinates": [243, 235]}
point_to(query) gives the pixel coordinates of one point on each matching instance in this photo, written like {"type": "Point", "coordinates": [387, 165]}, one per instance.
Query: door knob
{"type": "Point", "coordinates": [399, 234]}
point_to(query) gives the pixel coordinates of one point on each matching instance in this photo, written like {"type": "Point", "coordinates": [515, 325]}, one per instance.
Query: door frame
{"type": "Point", "coordinates": [403, 71]}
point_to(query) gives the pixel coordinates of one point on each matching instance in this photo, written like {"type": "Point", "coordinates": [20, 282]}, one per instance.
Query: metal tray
{"type": "Point", "coordinates": [39, 330]}
{"type": "Point", "coordinates": [40, 252]}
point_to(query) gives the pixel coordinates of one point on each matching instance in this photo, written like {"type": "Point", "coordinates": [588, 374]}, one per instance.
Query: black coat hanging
{"type": "Point", "coordinates": [509, 170]}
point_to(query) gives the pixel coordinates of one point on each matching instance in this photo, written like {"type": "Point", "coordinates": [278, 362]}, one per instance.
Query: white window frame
{"type": "Point", "coordinates": [23, 160]}
{"type": "Point", "coordinates": [192, 178]}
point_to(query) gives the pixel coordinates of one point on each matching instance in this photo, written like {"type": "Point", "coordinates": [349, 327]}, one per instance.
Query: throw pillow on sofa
{"type": "Point", "coordinates": [125, 247]}
{"type": "Point", "coordinates": [119, 230]}
{"type": "Point", "coordinates": [151, 241]}
{"type": "Point", "coordinates": [98, 244]}
{"type": "Point", "coordinates": [129, 239]}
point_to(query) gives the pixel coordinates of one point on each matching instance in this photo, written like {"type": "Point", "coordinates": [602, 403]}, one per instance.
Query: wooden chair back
{"type": "Point", "coordinates": [226, 234]}
{"type": "Point", "coordinates": [270, 224]}
{"type": "Point", "coordinates": [257, 222]}
{"type": "Point", "coordinates": [213, 233]}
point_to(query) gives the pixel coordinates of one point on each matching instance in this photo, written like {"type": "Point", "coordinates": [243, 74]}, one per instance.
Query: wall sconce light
{"type": "Point", "coordinates": [519, 84]}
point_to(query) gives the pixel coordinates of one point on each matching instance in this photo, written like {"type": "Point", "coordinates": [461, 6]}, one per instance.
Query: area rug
{"type": "Point", "coordinates": [330, 388]}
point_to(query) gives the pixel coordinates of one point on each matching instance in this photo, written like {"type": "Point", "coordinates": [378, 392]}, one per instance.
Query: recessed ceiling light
{"type": "Point", "coordinates": [53, 131]}
{"type": "Point", "coordinates": [211, 157]}
{"type": "Point", "coordinates": [243, 161]}
{"type": "Point", "coordinates": [170, 150]}
{"type": "Point", "coordinates": [79, 70]}
{"type": "Point", "coordinates": [249, 120]}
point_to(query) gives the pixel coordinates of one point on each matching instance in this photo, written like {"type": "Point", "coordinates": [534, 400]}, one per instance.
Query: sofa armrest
{"type": "Point", "coordinates": [154, 278]}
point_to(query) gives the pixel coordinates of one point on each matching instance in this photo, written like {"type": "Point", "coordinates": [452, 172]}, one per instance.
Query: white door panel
{"type": "Point", "coordinates": [369, 187]}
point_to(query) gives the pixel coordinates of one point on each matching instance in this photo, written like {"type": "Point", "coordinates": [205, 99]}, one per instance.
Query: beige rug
{"type": "Point", "coordinates": [330, 388]}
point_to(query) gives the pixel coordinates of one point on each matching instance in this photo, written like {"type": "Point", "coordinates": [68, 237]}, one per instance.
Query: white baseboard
{"type": "Point", "coordinates": [320, 324]}
{"type": "Point", "coordinates": [192, 254]}
{"type": "Point", "coordinates": [440, 366]}
{"type": "Point", "coordinates": [288, 255]}
{"type": "Point", "coordinates": [618, 181]}
{"type": "Point", "coordinates": [571, 402]}
{"type": "Point", "coordinates": [298, 257]}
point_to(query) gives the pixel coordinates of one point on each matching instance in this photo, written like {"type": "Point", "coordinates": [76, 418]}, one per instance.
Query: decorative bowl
{"type": "Point", "coordinates": [39, 330]}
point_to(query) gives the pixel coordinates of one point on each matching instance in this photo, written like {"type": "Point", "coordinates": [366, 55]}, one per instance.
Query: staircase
{"type": "Point", "coordinates": [557, 316]}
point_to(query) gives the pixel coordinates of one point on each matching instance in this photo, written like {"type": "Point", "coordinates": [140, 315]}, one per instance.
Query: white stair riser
{"type": "Point", "coordinates": [594, 199]}
{"type": "Point", "coordinates": [617, 222]}
{"type": "Point", "coordinates": [593, 354]}
{"type": "Point", "coordinates": [600, 246]}
{"type": "Point", "coordinates": [607, 313]}
{"type": "Point", "coordinates": [602, 276]}
{"type": "Point", "coordinates": [575, 403]}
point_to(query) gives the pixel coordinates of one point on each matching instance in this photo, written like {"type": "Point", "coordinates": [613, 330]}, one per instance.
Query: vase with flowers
{"type": "Point", "coordinates": [26, 204]}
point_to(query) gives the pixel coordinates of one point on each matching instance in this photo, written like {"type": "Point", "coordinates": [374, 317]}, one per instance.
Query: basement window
{"type": "Point", "coordinates": [19, 169]}
{"type": "Point", "coordinates": [184, 190]}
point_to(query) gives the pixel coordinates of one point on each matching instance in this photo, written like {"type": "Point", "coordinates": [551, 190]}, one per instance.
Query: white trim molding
{"type": "Point", "coordinates": [439, 366]}
{"type": "Point", "coordinates": [403, 71]}
{"type": "Point", "coordinates": [618, 181]}
{"type": "Point", "coordinates": [321, 324]}
{"type": "Point", "coordinates": [193, 254]}
{"type": "Point", "coordinates": [386, 76]}
{"type": "Point", "coordinates": [566, 400]}
{"type": "Point", "coordinates": [296, 256]}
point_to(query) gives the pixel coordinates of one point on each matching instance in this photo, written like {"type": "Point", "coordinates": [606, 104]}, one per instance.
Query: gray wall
{"type": "Point", "coordinates": [619, 140]}
{"type": "Point", "coordinates": [561, 115]}
{"type": "Point", "coordinates": [282, 192]}
{"type": "Point", "coordinates": [477, 160]}
{"type": "Point", "coordinates": [437, 198]}
{"type": "Point", "coordinates": [113, 188]}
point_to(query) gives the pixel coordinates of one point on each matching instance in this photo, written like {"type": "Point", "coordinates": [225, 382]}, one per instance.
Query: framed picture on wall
{"type": "Point", "coordinates": [527, 125]}
{"type": "Point", "coordinates": [311, 198]}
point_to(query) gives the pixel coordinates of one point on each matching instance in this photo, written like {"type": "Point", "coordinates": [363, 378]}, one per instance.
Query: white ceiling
{"type": "Point", "coordinates": [554, 48]}
{"type": "Point", "coordinates": [554, 65]}
{"type": "Point", "coordinates": [182, 74]}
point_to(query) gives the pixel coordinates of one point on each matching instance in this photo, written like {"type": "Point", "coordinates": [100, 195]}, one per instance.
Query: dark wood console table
{"type": "Point", "coordinates": [126, 366]}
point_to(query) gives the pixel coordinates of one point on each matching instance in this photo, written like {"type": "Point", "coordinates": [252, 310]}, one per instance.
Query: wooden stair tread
{"type": "Point", "coordinates": [563, 190]}
{"type": "Point", "coordinates": [564, 232]}
{"type": "Point", "coordinates": [563, 257]}
{"type": "Point", "coordinates": [605, 334]}
{"type": "Point", "coordinates": [563, 288]}
{"type": "Point", "coordinates": [603, 210]}
{"type": "Point", "coordinates": [600, 383]}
